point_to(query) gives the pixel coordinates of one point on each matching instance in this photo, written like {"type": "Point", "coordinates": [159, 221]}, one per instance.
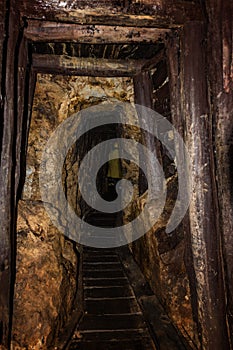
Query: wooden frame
{"type": "Point", "coordinates": [146, 13]}
{"type": "Point", "coordinates": [59, 64]}
{"type": "Point", "coordinates": [96, 34]}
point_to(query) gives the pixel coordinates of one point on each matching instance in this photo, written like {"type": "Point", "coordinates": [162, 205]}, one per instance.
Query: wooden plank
{"type": "Point", "coordinates": [143, 95]}
{"type": "Point", "coordinates": [204, 218]}
{"type": "Point", "coordinates": [22, 95]}
{"type": "Point", "coordinates": [2, 38]}
{"type": "Point", "coordinates": [55, 32]}
{"type": "Point", "coordinates": [153, 62]}
{"type": "Point", "coordinates": [162, 100]}
{"type": "Point", "coordinates": [160, 75]}
{"type": "Point", "coordinates": [4, 304]}
{"type": "Point", "coordinates": [220, 66]}
{"type": "Point", "coordinates": [7, 178]}
{"type": "Point", "coordinates": [85, 66]}
{"type": "Point", "coordinates": [160, 14]}
{"type": "Point", "coordinates": [173, 49]}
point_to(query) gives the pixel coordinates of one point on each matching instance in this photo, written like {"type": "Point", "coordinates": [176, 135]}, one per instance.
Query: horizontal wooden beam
{"type": "Point", "coordinates": [65, 65]}
{"type": "Point", "coordinates": [55, 32]}
{"type": "Point", "coordinates": [151, 63]}
{"type": "Point", "coordinates": [143, 13]}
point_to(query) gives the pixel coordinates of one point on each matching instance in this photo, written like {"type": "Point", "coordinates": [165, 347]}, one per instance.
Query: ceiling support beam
{"type": "Point", "coordinates": [65, 65]}
{"type": "Point", "coordinates": [143, 13]}
{"type": "Point", "coordinates": [95, 34]}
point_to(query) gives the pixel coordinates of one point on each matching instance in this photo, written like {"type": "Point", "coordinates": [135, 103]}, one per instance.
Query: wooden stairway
{"type": "Point", "coordinates": [113, 318]}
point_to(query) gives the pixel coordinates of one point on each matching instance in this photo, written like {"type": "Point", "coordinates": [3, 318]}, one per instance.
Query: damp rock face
{"type": "Point", "coordinates": [46, 279]}
{"type": "Point", "coordinates": [56, 99]}
{"type": "Point", "coordinates": [161, 258]}
{"type": "Point", "coordinates": [48, 262]}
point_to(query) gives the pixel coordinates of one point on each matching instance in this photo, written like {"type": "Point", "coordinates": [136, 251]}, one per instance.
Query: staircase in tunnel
{"type": "Point", "coordinates": [112, 316]}
{"type": "Point", "coordinates": [121, 312]}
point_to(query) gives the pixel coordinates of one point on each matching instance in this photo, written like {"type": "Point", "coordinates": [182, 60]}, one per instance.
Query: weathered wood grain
{"type": "Point", "coordinates": [53, 32]}
{"type": "Point", "coordinates": [85, 66]}
{"type": "Point", "coordinates": [160, 14]}
{"type": "Point", "coordinates": [2, 38]}
{"type": "Point", "coordinates": [220, 68]}
{"type": "Point", "coordinates": [204, 219]}
{"type": "Point", "coordinates": [174, 65]}
{"type": "Point", "coordinates": [7, 179]}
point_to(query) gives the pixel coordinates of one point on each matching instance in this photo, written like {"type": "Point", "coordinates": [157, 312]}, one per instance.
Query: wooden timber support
{"type": "Point", "coordinates": [14, 72]}
{"type": "Point", "coordinates": [146, 13]}
{"type": "Point", "coordinates": [122, 22]}
{"type": "Point", "coordinates": [220, 63]}
{"type": "Point", "coordinates": [7, 179]}
{"type": "Point", "coordinates": [143, 95]}
{"type": "Point", "coordinates": [203, 212]}
{"type": "Point", "coordinates": [175, 73]}
{"type": "Point", "coordinates": [97, 34]}
{"type": "Point", "coordinates": [150, 64]}
{"type": "Point", "coordinates": [56, 64]}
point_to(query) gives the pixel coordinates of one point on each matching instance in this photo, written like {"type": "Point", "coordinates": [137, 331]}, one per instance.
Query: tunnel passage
{"type": "Point", "coordinates": [190, 270]}
{"type": "Point", "coordinates": [56, 98]}
{"type": "Point", "coordinates": [120, 309]}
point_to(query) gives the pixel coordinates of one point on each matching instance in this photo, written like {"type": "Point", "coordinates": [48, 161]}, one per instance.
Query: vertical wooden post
{"type": "Point", "coordinates": [220, 68]}
{"type": "Point", "coordinates": [2, 37]}
{"type": "Point", "coordinates": [143, 89]}
{"type": "Point", "coordinates": [143, 96]}
{"type": "Point", "coordinates": [22, 97]}
{"type": "Point", "coordinates": [204, 219]}
{"type": "Point", "coordinates": [173, 48]}
{"type": "Point", "coordinates": [12, 81]}
{"type": "Point", "coordinates": [23, 128]}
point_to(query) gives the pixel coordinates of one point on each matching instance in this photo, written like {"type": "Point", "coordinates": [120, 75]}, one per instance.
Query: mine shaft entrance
{"type": "Point", "coordinates": [59, 96]}
{"type": "Point", "coordinates": [186, 268]}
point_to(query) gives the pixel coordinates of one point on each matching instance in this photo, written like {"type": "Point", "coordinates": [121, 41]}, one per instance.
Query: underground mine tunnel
{"type": "Point", "coordinates": [154, 73]}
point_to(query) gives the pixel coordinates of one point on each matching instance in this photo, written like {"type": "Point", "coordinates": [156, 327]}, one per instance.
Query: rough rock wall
{"type": "Point", "coordinates": [47, 262]}
{"type": "Point", "coordinates": [46, 281]}
{"type": "Point", "coordinates": [57, 98]}
{"type": "Point", "coordinates": [163, 257]}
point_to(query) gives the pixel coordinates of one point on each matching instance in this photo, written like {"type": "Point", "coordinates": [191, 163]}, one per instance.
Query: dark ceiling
{"type": "Point", "coordinates": [108, 51]}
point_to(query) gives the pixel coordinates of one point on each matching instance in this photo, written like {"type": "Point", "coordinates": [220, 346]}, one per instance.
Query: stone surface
{"type": "Point", "coordinates": [161, 258]}
{"type": "Point", "coordinates": [47, 262]}
{"type": "Point", "coordinates": [46, 279]}
{"type": "Point", "coordinates": [57, 98]}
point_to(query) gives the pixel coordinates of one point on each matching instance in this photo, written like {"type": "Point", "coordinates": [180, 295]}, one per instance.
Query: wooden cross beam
{"type": "Point", "coordinates": [143, 13]}
{"type": "Point", "coordinates": [95, 34]}
{"type": "Point", "coordinates": [65, 65]}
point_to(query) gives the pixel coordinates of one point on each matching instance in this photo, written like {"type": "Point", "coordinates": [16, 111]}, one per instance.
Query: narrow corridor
{"type": "Point", "coordinates": [120, 310]}
{"type": "Point", "coordinates": [113, 318]}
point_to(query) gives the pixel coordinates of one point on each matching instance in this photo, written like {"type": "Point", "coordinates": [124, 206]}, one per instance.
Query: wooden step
{"type": "Point", "coordinates": [103, 322]}
{"type": "Point", "coordinates": [117, 281]}
{"type": "Point", "coordinates": [112, 318]}
{"type": "Point", "coordinates": [111, 306]}
{"type": "Point", "coordinates": [110, 292]}
{"type": "Point", "coordinates": [140, 344]}
{"type": "Point", "coordinates": [108, 273]}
